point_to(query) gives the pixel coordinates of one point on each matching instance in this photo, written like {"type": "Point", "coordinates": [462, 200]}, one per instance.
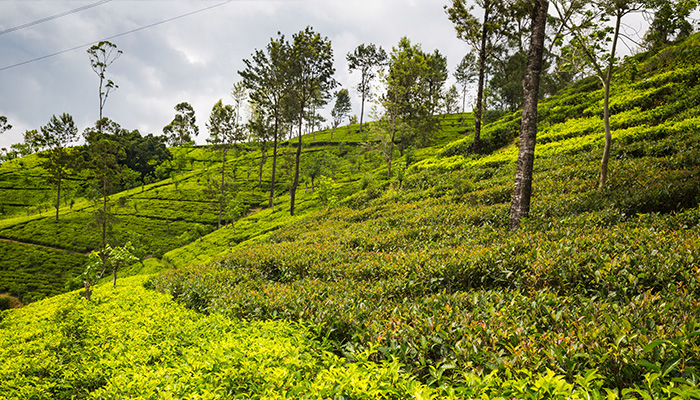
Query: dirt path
{"type": "Point", "coordinates": [43, 246]}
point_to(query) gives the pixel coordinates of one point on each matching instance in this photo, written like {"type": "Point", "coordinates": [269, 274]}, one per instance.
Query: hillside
{"type": "Point", "coordinates": [595, 296]}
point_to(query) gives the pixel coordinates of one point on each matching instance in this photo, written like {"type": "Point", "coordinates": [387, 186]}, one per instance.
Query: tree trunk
{"type": "Point", "coordinates": [522, 190]}
{"type": "Point", "coordinates": [482, 72]}
{"type": "Point", "coordinates": [87, 290]}
{"type": "Point", "coordinates": [221, 198]}
{"type": "Point", "coordinates": [263, 158]}
{"type": "Point", "coordinates": [104, 225]}
{"type": "Point", "coordinates": [391, 146]}
{"type": "Point", "coordinates": [606, 107]}
{"type": "Point", "coordinates": [362, 111]}
{"type": "Point", "coordinates": [298, 159]}
{"type": "Point", "coordinates": [274, 166]}
{"type": "Point", "coordinates": [58, 193]}
{"type": "Point", "coordinates": [114, 275]}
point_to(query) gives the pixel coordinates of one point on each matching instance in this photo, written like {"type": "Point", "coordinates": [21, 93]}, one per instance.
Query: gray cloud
{"type": "Point", "coordinates": [194, 59]}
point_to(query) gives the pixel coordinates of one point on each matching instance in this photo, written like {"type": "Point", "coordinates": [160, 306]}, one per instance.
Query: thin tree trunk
{"type": "Point", "coordinates": [482, 72]}
{"type": "Point", "coordinates": [298, 158]}
{"type": "Point", "coordinates": [522, 190]}
{"type": "Point", "coordinates": [58, 193]}
{"type": "Point", "coordinates": [362, 111]}
{"type": "Point", "coordinates": [391, 146]}
{"type": "Point", "coordinates": [263, 158]}
{"type": "Point", "coordinates": [274, 168]}
{"type": "Point", "coordinates": [114, 275]}
{"type": "Point", "coordinates": [606, 108]}
{"type": "Point", "coordinates": [221, 198]}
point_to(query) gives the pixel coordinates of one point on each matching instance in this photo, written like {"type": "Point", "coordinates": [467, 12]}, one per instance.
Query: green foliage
{"type": "Point", "coordinates": [124, 344]}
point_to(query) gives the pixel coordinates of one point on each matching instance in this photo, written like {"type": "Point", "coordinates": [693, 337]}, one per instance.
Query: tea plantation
{"type": "Point", "coordinates": [402, 287]}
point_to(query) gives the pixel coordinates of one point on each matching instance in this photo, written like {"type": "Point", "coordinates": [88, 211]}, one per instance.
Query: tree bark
{"type": "Point", "coordinates": [362, 105]}
{"type": "Point", "coordinates": [274, 163]}
{"type": "Point", "coordinates": [522, 190]}
{"type": "Point", "coordinates": [482, 72]}
{"type": "Point", "coordinates": [114, 275]}
{"type": "Point", "coordinates": [221, 198]}
{"type": "Point", "coordinates": [298, 159]}
{"type": "Point", "coordinates": [606, 107]}
{"type": "Point", "coordinates": [58, 193]}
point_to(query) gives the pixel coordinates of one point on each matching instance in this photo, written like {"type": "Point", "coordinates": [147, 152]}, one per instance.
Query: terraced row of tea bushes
{"type": "Point", "coordinates": [25, 188]}
{"type": "Point", "coordinates": [133, 343]}
{"type": "Point", "coordinates": [33, 272]}
{"type": "Point", "coordinates": [406, 274]}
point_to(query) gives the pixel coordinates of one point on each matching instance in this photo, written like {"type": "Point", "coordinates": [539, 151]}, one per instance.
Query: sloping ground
{"type": "Point", "coordinates": [165, 216]}
{"type": "Point", "coordinates": [597, 283]}
{"type": "Point", "coordinates": [133, 343]}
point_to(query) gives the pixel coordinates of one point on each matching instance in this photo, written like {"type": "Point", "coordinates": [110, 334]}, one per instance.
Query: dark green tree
{"type": "Point", "coordinates": [261, 132]}
{"type": "Point", "coordinates": [101, 158]}
{"type": "Point", "coordinates": [266, 77]}
{"type": "Point", "coordinates": [55, 136]}
{"type": "Point", "coordinates": [143, 154]}
{"type": "Point", "coordinates": [451, 100]}
{"type": "Point", "coordinates": [480, 36]}
{"type": "Point", "coordinates": [465, 74]}
{"type": "Point", "coordinates": [367, 59]}
{"type": "Point", "coordinates": [435, 79]}
{"type": "Point", "coordinates": [669, 22]}
{"type": "Point", "coordinates": [102, 55]}
{"type": "Point", "coordinates": [589, 48]}
{"type": "Point", "coordinates": [341, 108]}
{"type": "Point", "coordinates": [183, 126]}
{"type": "Point", "coordinates": [4, 126]}
{"type": "Point", "coordinates": [311, 80]}
{"type": "Point", "coordinates": [224, 132]}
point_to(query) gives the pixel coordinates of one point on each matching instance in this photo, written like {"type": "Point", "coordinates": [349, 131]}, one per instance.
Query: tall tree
{"type": "Point", "coordinates": [4, 126]}
{"type": "Point", "coordinates": [668, 22]}
{"type": "Point", "coordinates": [102, 55]}
{"type": "Point", "coordinates": [588, 49]}
{"type": "Point", "coordinates": [451, 100]}
{"type": "Point", "coordinates": [341, 109]}
{"type": "Point", "coordinates": [367, 59]}
{"type": "Point", "coordinates": [464, 74]}
{"type": "Point", "coordinates": [407, 100]}
{"type": "Point", "coordinates": [435, 79]}
{"type": "Point", "coordinates": [311, 78]}
{"type": "Point", "coordinates": [224, 132]}
{"type": "Point", "coordinates": [183, 126]}
{"type": "Point", "coordinates": [55, 136]}
{"type": "Point", "coordinates": [266, 76]}
{"type": "Point", "coordinates": [478, 36]}
{"type": "Point", "coordinates": [101, 157]}
{"type": "Point", "coordinates": [261, 132]}
{"type": "Point", "coordinates": [522, 188]}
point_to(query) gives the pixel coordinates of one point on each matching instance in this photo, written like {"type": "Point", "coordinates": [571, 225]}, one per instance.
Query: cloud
{"type": "Point", "coordinates": [193, 59]}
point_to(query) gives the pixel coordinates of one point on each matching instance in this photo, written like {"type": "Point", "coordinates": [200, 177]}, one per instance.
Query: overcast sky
{"type": "Point", "coordinates": [193, 59]}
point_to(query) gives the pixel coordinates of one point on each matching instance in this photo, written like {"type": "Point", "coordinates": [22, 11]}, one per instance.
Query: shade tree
{"type": "Point", "coordinates": [465, 74]}
{"type": "Point", "coordinates": [55, 136]}
{"type": "Point", "coordinates": [593, 47]}
{"type": "Point", "coordinates": [669, 20]}
{"type": "Point", "coordinates": [311, 80]}
{"type": "Point", "coordinates": [266, 77]}
{"type": "Point", "coordinates": [479, 35]}
{"type": "Point", "coordinates": [224, 132]}
{"type": "Point", "coordinates": [341, 108]}
{"type": "Point", "coordinates": [368, 60]}
{"type": "Point", "coordinates": [183, 127]}
{"type": "Point", "coordinates": [101, 56]}
{"type": "Point", "coordinates": [522, 187]}
{"type": "Point", "coordinates": [4, 125]}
